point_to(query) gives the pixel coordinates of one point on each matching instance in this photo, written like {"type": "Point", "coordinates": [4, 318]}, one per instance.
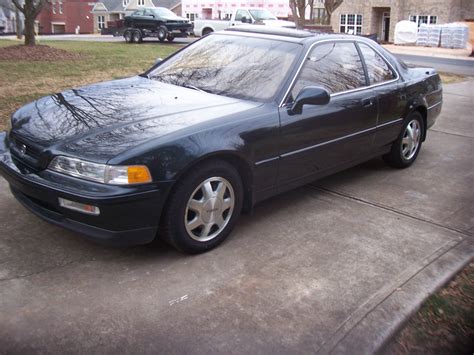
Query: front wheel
{"type": "Point", "coordinates": [203, 208]}
{"type": "Point", "coordinates": [127, 36]}
{"type": "Point", "coordinates": [136, 36]}
{"type": "Point", "coordinates": [408, 144]}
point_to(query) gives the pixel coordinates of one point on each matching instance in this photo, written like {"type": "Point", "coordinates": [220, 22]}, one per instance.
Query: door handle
{"type": "Point", "coordinates": [368, 102]}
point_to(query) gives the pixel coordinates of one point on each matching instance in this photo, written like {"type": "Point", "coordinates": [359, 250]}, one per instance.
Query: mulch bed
{"type": "Point", "coordinates": [38, 53]}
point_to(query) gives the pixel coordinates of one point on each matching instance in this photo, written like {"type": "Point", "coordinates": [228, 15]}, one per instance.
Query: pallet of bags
{"type": "Point", "coordinates": [434, 35]}
{"type": "Point", "coordinates": [422, 38]}
{"type": "Point", "coordinates": [428, 35]}
{"type": "Point", "coordinates": [454, 35]}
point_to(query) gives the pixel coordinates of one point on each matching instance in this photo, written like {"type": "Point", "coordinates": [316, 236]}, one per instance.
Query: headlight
{"type": "Point", "coordinates": [106, 174]}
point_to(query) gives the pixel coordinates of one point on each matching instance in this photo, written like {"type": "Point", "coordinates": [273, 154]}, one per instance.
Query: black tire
{"type": "Point", "coordinates": [137, 36]}
{"type": "Point", "coordinates": [397, 158]}
{"type": "Point", "coordinates": [127, 36]}
{"type": "Point", "coordinates": [162, 33]}
{"type": "Point", "coordinates": [206, 31]}
{"type": "Point", "coordinates": [170, 37]}
{"type": "Point", "coordinates": [173, 228]}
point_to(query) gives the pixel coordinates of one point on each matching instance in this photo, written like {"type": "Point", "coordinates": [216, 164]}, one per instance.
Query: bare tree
{"type": "Point", "coordinates": [330, 6]}
{"type": "Point", "coordinates": [298, 8]}
{"type": "Point", "coordinates": [30, 10]}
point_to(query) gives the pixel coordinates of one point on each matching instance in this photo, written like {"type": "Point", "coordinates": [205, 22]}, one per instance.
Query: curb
{"type": "Point", "coordinates": [373, 331]}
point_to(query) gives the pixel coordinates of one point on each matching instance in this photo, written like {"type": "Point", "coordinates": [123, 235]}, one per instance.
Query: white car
{"type": "Point", "coordinates": [240, 16]}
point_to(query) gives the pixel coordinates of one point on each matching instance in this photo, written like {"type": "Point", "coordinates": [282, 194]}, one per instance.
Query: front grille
{"type": "Point", "coordinates": [25, 152]}
{"type": "Point", "coordinates": [26, 148]}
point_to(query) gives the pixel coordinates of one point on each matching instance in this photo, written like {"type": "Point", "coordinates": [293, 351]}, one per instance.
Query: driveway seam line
{"type": "Point", "coordinates": [390, 209]}
{"type": "Point", "coordinates": [451, 134]}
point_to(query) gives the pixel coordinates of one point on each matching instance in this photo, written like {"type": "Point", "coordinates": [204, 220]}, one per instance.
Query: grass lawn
{"type": "Point", "coordinates": [22, 81]}
{"type": "Point", "coordinates": [444, 324]}
{"type": "Point", "coordinates": [448, 78]}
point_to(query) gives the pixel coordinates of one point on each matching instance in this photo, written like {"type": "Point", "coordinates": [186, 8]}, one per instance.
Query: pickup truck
{"type": "Point", "coordinates": [240, 16]}
{"type": "Point", "coordinates": [155, 22]}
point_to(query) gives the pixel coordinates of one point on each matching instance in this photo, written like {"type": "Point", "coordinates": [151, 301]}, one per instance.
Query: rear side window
{"type": "Point", "coordinates": [335, 66]}
{"type": "Point", "coordinates": [377, 68]}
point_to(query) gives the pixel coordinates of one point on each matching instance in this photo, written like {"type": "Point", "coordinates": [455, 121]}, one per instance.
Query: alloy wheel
{"type": "Point", "coordinates": [209, 209]}
{"type": "Point", "coordinates": [411, 139]}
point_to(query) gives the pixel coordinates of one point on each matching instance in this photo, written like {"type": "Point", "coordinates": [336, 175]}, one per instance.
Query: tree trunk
{"type": "Point", "coordinates": [330, 6]}
{"type": "Point", "coordinates": [30, 10]}
{"type": "Point", "coordinates": [30, 39]}
{"type": "Point", "coordinates": [298, 11]}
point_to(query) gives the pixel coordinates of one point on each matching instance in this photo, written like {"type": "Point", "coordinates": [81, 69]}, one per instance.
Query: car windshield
{"type": "Point", "coordinates": [260, 15]}
{"type": "Point", "coordinates": [228, 65]}
{"type": "Point", "coordinates": [162, 12]}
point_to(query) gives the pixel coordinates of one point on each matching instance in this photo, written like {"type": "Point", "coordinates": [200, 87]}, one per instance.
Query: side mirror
{"type": "Point", "coordinates": [244, 19]}
{"type": "Point", "coordinates": [310, 95]}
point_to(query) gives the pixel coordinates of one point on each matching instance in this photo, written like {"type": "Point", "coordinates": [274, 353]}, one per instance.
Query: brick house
{"type": "Point", "coordinates": [381, 16]}
{"type": "Point", "coordinates": [66, 16]}
{"type": "Point", "coordinates": [113, 10]}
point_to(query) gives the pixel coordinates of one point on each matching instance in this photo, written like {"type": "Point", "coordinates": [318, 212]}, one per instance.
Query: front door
{"type": "Point", "coordinates": [324, 137]}
{"type": "Point", "coordinates": [385, 26]}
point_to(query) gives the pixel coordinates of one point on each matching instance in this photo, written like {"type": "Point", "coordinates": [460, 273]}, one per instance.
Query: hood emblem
{"type": "Point", "coordinates": [23, 149]}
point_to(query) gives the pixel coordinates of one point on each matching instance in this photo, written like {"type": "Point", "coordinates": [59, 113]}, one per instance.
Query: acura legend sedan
{"type": "Point", "coordinates": [238, 116]}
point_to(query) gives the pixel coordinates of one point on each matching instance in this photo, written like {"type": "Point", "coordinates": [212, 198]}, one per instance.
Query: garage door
{"type": "Point", "coordinates": [59, 28]}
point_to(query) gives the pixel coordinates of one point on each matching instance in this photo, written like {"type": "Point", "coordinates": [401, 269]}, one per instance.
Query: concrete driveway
{"type": "Point", "coordinates": [335, 266]}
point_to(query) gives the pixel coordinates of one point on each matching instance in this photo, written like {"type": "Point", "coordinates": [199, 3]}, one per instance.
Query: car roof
{"type": "Point", "coordinates": [288, 34]}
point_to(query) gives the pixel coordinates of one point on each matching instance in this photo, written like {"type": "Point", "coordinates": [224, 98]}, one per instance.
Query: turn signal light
{"type": "Point", "coordinates": [138, 174]}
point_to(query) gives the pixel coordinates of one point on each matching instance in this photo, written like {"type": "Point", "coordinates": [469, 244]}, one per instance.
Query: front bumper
{"type": "Point", "coordinates": [129, 215]}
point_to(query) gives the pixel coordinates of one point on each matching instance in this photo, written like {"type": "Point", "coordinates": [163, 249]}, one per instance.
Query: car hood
{"type": "Point", "coordinates": [279, 23]}
{"type": "Point", "coordinates": [102, 120]}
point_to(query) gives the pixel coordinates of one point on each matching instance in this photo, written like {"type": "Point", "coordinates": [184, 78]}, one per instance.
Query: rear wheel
{"type": "Point", "coordinates": [206, 31]}
{"type": "Point", "coordinates": [203, 208]}
{"type": "Point", "coordinates": [406, 148]}
{"type": "Point", "coordinates": [170, 37]}
{"type": "Point", "coordinates": [136, 36]}
{"type": "Point", "coordinates": [162, 33]}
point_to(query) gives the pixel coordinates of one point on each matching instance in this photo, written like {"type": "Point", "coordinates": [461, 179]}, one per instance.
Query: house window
{"type": "Point", "coordinates": [420, 19]}
{"type": "Point", "coordinates": [350, 23]}
{"type": "Point", "coordinates": [191, 17]}
{"type": "Point", "coordinates": [125, 3]}
{"type": "Point", "coordinates": [101, 22]}
{"type": "Point", "coordinates": [141, 2]}
{"type": "Point", "coordinates": [60, 6]}
{"type": "Point", "coordinates": [53, 6]}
